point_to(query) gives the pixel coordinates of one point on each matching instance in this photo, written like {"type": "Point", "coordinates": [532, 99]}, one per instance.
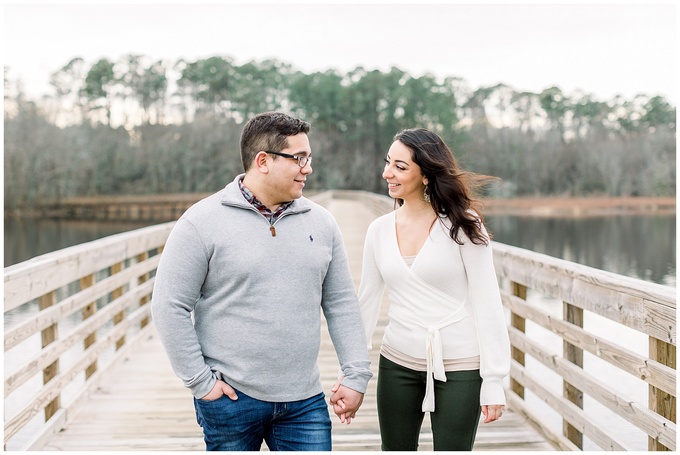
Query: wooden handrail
{"type": "Point", "coordinates": [647, 308]}
{"type": "Point", "coordinates": [78, 311]}
{"type": "Point", "coordinates": [88, 304]}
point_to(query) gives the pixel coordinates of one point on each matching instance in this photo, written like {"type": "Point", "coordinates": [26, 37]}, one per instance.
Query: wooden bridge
{"type": "Point", "coordinates": [84, 369]}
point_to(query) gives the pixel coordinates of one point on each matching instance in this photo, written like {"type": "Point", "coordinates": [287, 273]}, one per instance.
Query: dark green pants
{"type": "Point", "coordinates": [400, 397]}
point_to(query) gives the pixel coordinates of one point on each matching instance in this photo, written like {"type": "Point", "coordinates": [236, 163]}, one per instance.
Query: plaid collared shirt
{"type": "Point", "coordinates": [263, 209]}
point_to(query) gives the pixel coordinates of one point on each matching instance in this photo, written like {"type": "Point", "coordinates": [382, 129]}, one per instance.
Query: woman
{"type": "Point", "coordinates": [445, 348]}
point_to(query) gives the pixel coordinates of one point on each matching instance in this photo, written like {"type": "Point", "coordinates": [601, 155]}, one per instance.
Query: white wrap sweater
{"type": "Point", "coordinates": [445, 306]}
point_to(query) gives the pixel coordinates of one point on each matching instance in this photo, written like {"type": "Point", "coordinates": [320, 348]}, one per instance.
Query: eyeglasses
{"type": "Point", "coordinates": [301, 159]}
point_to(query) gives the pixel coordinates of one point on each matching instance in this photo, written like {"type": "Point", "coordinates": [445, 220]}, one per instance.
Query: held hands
{"type": "Point", "coordinates": [492, 412]}
{"type": "Point", "coordinates": [345, 402]}
{"type": "Point", "coordinates": [220, 388]}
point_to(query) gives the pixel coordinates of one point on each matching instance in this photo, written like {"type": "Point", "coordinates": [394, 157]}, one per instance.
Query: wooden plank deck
{"type": "Point", "coordinates": [143, 406]}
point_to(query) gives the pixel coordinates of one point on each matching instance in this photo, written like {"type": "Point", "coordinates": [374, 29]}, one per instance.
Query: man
{"type": "Point", "coordinates": [253, 265]}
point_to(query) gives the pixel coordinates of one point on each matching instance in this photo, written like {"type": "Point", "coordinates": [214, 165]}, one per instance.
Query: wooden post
{"type": "Point", "coordinates": [574, 315]}
{"type": "Point", "coordinates": [118, 317]}
{"type": "Point", "coordinates": [659, 401]}
{"type": "Point", "coordinates": [519, 323]}
{"type": "Point", "coordinates": [142, 279]}
{"type": "Point", "coordinates": [87, 312]}
{"type": "Point", "coordinates": [49, 335]}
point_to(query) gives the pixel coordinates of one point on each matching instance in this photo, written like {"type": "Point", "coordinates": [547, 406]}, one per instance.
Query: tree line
{"type": "Point", "coordinates": [138, 126]}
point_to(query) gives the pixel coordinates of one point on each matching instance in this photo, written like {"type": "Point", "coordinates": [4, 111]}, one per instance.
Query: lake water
{"type": "Point", "coordinates": [642, 247]}
{"type": "Point", "coordinates": [638, 246]}
{"type": "Point", "coordinates": [27, 238]}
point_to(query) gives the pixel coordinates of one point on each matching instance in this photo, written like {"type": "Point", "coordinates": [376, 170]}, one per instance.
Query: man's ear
{"type": "Point", "coordinates": [261, 163]}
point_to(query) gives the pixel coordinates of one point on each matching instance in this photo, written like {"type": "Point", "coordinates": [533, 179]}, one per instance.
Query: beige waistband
{"type": "Point", "coordinates": [464, 364]}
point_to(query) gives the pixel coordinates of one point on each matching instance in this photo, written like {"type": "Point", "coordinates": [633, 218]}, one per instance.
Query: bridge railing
{"type": "Point", "coordinates": [69, 316]}
{"type": "Point", "coordinates": [72, 314]}
{"type": "Point", "coordinates": [594, 307]}
{"type": "Point", "coordinates": [606, 323]}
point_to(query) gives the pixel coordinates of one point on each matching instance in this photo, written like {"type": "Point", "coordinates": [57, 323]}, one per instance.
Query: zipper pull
{"type": "Point", "coordinates": [272, 229]}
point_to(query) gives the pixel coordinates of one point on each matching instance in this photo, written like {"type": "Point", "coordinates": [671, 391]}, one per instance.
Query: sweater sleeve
{"type": "Point", "coordinates": [179, 277]}
{"type": "Point", "coordinates": [341, 310]}
{"type": "Point", "coordinates": [487, 309]}
{"type": "Point", "coordinates": [372, 287]}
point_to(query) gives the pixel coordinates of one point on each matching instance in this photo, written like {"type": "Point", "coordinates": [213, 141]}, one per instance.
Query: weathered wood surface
{"type": "Point", "coordinates": [73, 309]}
{"type": "Point", "coordinates": [143, 406]}
{"type": "Point", "coordinates": [38, 276]}
{"type": "Point", "coordinates": [645, 307]}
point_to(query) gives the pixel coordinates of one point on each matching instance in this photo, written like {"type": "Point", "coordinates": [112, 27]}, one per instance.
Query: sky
{"type": "Point", "coordinates": [605, 50]}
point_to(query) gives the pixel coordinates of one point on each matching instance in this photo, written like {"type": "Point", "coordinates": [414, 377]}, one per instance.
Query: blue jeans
{"type": "Point", "coordinates": [243, 424]}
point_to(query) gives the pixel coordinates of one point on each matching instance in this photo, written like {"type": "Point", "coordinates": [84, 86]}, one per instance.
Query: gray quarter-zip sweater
{"type": "Point", "coordinates": [231, 301]}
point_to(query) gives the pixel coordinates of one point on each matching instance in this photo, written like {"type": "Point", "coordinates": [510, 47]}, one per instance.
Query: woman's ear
{"type": "Point", "coordinates": [425, 181]}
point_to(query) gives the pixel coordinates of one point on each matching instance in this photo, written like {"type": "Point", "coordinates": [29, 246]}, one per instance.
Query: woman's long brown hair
{"type": "Point", "coordinates": [452, 190]}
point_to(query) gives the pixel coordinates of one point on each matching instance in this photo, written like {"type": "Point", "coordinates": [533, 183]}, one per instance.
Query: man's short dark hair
{"type": "Point", "coordinates": [268, 131]}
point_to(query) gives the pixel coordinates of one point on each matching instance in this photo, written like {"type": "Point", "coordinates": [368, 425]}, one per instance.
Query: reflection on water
{"type": "Point", "coordinates": [636, 246]}
{"type": "Point", "coordinates": [27, 238]}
